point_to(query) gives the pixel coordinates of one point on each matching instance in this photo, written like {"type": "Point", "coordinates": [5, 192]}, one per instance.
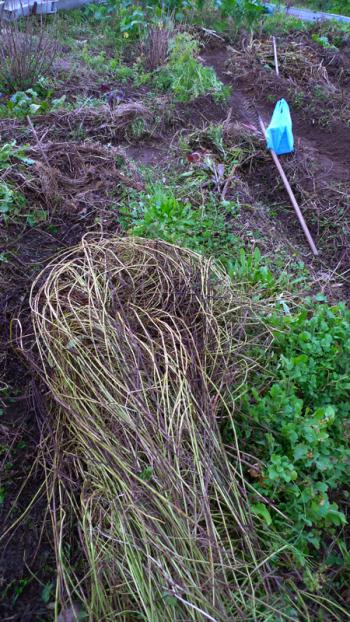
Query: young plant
{"type": "Point", "coordinates": [11, 202]}
{"type": "Point", "coordinates": [29, 102]}
{"type": "Point", "coordinates": [159, 214]}
{"type": "Point", "coordinates": [185, 76]}
{"type": "Point", "coordinates": [10, 151]}
{"type": "Point", "coordinates": [244, 13]}
{"type": "Point", "coordinates": [323, 41]}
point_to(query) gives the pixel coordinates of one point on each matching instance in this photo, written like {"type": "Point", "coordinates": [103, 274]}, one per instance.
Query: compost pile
{"type": "Point", "coordinates": [144, 348]}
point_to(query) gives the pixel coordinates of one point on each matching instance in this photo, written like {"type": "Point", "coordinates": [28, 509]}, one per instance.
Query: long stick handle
{"type": "Point", "coordinates": [275, 56]}
{"type": "Point", "coordinates": [291, 195]}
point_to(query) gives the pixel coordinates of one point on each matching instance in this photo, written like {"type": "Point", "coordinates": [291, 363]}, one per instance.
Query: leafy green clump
{"type": "Point", "coordinates": [300, 426]}
{"type": "Point", "coordinates": [10, 151]}
{"type": "Point", "coordinates": [185, 76]}
{"type": "Point", "coordinates": [159, 214]}
{"type": "Point", "coordinates": [11, 202]}
{"type": "Point", "coordinates": [323, 41]}
{"type": "Point", "coordinates": [30, 102]}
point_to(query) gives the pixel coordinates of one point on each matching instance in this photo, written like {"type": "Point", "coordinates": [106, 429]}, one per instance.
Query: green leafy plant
{"type": "Point", "coordinates": [244, 12]}
{"type": "Point", "coordinates": [132, 20]}
{"type": "Point", "coordinates": [29, 102]}
{"type": "Point", "coordinates": [11, 202]}
{"type": "Point", "coordinates": [159, 214]}
{"type": "Point", "coordinates": [185, 76]}
{"type": "Point", "coordinates": [299, 427]}
{"type": "Point", "coordinates": [10, 151]}
{"type": "Point", "coordinates": [323, 41]}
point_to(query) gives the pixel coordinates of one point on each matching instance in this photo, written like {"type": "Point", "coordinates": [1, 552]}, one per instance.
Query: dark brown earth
{"type": "Point", "coordinates": [319, 172]}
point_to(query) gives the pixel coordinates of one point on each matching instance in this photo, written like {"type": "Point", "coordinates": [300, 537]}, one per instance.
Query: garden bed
{"type": "Point", "coordinates": [93, 165]}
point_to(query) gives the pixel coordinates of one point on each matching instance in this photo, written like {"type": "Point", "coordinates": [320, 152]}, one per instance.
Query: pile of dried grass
{"type": "Point", "coordinates": [304, 79]}
{"type": "Point", "coordinates": [298, 61]}
{"type": "Point", "coordinates": [72, 177]}
{"type": "Point", "coordinates": [100, 122]}
{"type": "Point", "coordinates": [144, 346]}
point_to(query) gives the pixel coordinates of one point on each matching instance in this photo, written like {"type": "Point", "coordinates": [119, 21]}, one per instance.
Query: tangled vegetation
{"type": "Point", "coordinates": [152, 338]}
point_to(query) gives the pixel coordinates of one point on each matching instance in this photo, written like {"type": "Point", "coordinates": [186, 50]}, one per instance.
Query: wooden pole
{"type": "Point", "coordinates": [291, 194]}
{"type": "Point", "coordinates": [275, 56]}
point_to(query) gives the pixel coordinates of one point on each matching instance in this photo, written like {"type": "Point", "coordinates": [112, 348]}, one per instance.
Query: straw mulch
{"type": "Point", "coordinates": [73, 176]}
{"type": "Point", "coordinates": [298, 61]}
{"type": "Point", "coordinates": [98, 123]}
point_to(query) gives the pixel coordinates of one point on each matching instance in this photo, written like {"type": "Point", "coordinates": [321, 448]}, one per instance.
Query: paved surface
{"type": "Point", "coordinates": [310, 16]}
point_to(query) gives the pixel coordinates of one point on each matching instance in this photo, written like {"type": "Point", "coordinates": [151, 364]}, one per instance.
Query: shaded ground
{"type": "Point", "coordinates": [77, 191]}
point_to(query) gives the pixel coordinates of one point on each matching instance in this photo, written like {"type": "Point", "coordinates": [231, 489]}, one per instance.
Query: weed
{"type": "Point", "coordinates": [10, 151]}
{"type": "Point", "coordinates": [207, 229]}
{"type": "Point", "coordinates": [185, 76]}
{"type": "Point", "coordinates": [298, 97]}
{"type": "Point", "coordinates": [132, 20]}
{"type": "Point", "coordinates": [299, 427]}
{"type": "Point", "coordinates": [138, 128]}
{"type": "Point", "coordinates": [320, 93]}
{"type": "Point", "coordinates": [121, 72]}
{"type": "Point", "coordinates": [245, 13]}
{"type": "Point", "coordinates": [279, 23]}
{"type": "Point", "coordinates": [36, 217]}
{"type": "Point", "coordinates": [47, 592]}
{"type": "Point", "coordinates": [2, 494]}
{"type": "Point", "coordinates": [211, 137]}
{"type": "Point", "coordinates": [13, 206]}
{"type": "Point", "coordinates": [158, 214]}
{"type": "Point", "coordinates": [323, 41]}
{"type": "Point", "coordinates": [95, 61]}
{"type": "Point", "coordinates": [11, 202]}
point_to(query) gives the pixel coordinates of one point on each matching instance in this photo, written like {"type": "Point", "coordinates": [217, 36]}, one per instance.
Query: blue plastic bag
{"type": "Point", "coordinates": [279, 134]}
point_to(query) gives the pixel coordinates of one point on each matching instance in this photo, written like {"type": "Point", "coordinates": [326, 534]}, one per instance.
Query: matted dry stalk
{"type": "Point", "coordinates": [99, 122]}
{"type": "Point", "coordinates": [298, 61]}
{"type": "Point", "coordinates": [73, 177]}
{"type": "Point", "coordinates": [144, 346]}
{"type": "Point", "coordinates": [27, 52]}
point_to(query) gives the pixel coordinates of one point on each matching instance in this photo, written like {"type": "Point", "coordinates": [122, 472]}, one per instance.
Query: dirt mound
{"type": "Point", "coordinates": [325, 204]}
